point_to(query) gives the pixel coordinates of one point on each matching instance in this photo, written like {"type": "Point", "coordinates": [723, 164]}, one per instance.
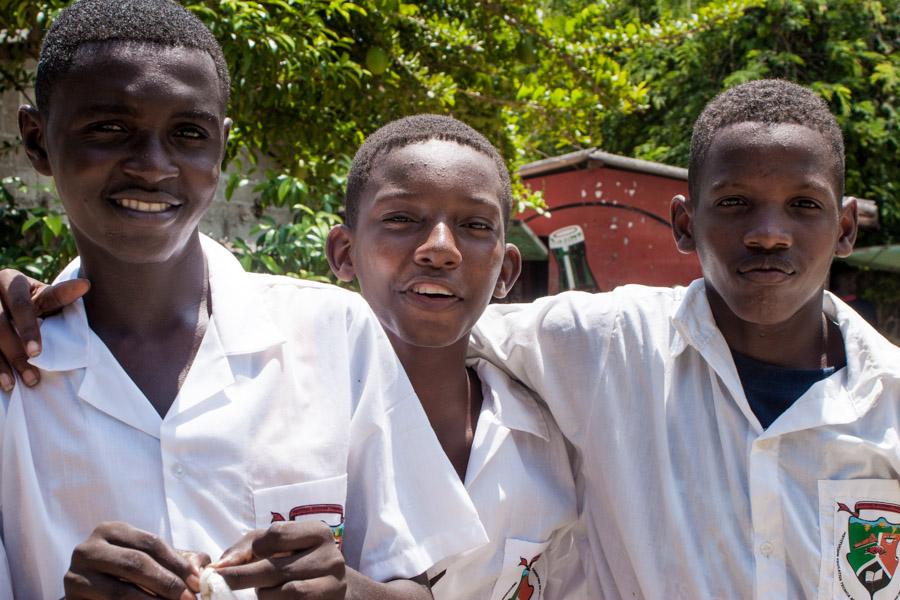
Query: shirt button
{"type": "Point", "coordinates": [766, 549]}
{"type": "Point", "coordinates": [178, 470]}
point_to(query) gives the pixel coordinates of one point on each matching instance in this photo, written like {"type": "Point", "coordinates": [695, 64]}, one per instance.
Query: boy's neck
{"type": "Point", "coordinates": [450, 396]}
{"type": "Point", "coordinates": [150, 316]}
{"type": "Point", "coordinates": [808, 340]}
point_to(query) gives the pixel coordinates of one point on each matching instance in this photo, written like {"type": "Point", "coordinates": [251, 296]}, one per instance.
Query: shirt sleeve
{"type": "Point", "coordinates": [5, 578]}
{"type": "Point", "coordinates": [557, 346]}
{"type": "Point", "coordinates": [406, 507]}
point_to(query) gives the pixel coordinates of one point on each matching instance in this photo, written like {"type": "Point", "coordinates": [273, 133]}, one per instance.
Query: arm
{"type": "Point", "coordinates": [23, 301]}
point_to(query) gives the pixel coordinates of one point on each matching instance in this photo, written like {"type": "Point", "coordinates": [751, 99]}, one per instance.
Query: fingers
{"type": "Point", "coordinates": [239, 553]}
{"type": "Point", "coordinates": [299, 555]}
{"type": "Point", "coordinates": [100, 587]}
{"type": "Point", "coordinates": [118, 560]}
{"type": "Point", "coordinates": [14, 357]}
{"type": "Point", "coordinates": [198, 561]}
{"type": "Point", "coordinates": [22, 301]}
{"type": "Point", "coordinates": [53, 298]}
{"type": "Point", "coordinates": [290, 536]}
{"type": "Point", "coordinates": [16, 292]}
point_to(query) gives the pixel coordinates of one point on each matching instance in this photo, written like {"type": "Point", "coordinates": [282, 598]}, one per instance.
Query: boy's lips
{"type": "Point", "coordinates": [766, 269]}
{"type": "Point", "coordinates": [143, 201]}
{"type": "Point", "coordinates": [431, 294]}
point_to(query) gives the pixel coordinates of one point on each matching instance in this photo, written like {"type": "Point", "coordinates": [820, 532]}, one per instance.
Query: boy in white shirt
{"type": "Point", "coordinates": [427, 206]}
{"type": "Point", "coordinates": [739, 437]}
{"type": "Point", "coordinates": [185, 402]}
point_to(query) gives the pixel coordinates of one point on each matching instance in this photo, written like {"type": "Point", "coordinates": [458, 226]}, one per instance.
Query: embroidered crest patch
{"type": "Point", "coordinates": [866, 546]}
{"type": "Point", "coordinates": [330, 514]}
{"type": "Point", "coordinates": [529, 585]}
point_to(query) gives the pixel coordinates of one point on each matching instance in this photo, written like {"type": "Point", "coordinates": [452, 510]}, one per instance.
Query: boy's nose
{"type": "Point", "coordinates": [768, 232]}
{"type": "Point", "coordinates": [149, 160]}
{"type": "Point", "coordinates": [439, 248]}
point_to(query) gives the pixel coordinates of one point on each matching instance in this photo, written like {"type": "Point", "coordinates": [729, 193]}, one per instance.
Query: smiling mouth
{"type": "Point", "coordinates": [140, 206]}
{"type": "Point", "coordinates": [431, 290]}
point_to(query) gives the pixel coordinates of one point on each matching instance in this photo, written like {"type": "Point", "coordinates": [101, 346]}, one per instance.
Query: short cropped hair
{"type": "Point", "coordinates": [411, 130]}
{"type": "Point", "coordinates": [769, 101]}
{"type": "Point", "coordinates": [160, 22]}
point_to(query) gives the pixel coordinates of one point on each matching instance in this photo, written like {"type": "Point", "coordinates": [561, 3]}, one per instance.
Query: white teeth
{"type": "Point", "coordinates": [151, 207]}
{"type": "Point", "coordinates": [428, 288]}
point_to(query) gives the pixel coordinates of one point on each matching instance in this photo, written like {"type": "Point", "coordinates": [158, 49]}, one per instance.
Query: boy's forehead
{"type": "Point", "coordinates": [125, 66]}
{"type": "Point", "coordinates": [748, 146]}
{"type": "Point", "coordinates": [437, 162]}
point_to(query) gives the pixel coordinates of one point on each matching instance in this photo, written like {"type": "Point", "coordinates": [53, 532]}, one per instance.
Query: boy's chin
{"type": "Point", "coordinates": [764, 310]}
{"type": "Point", "coordinates": [429, 337]}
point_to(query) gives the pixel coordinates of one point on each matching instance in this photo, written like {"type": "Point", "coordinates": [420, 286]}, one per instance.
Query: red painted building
{"type": "Point", "coordinates": [622, 207]}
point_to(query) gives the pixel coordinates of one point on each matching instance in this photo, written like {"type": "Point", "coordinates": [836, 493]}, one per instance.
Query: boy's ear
{"type": "Point", "coordinates": [227, 124]}
{"type": "Point", "coordinates": [337, 249]}
{"type": "Point", "coordinates": [509, 271]}
{"type": "Point", "coordinates": [32, 128]}
{"type": "Point", "coordinates": [848, 223]}
{"type": "Point", "coordinates": [682, 224]}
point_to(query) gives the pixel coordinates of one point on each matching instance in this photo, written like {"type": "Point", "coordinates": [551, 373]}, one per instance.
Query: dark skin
{"type": "Point", "coordinates": [766, 225]}
{"type": "Point", "coordinates": [429, 253]}
{"type": "Point", "coordinates": [136, 171]}
{"type": "Point", "coordinates": [135, 174]}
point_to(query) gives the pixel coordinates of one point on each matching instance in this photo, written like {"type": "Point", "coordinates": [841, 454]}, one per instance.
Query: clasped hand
{"type": "Point", "coordinates": [287, 560]}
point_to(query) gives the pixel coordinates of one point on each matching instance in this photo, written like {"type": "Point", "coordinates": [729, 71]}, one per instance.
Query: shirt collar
{"type": "Point", "coordinates": [242, 323]}
{"type": "Point", "coordinates": [870, 357]}
{"type": "Point", "coordinates": [514, 406]}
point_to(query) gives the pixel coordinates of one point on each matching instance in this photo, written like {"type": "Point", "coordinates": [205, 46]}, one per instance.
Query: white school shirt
{"type": "Point", "coordinates": [520, 479]}
{"type": "Point", "coordinates": [294, 407]}
{"type": "Point", "coordinates": [686, 496]}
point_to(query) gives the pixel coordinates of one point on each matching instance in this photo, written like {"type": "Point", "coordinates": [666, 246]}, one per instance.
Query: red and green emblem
{"type": "Point", "coordinates": [523, 590]}
{"type": "Point", "coordinates": [872, 545]}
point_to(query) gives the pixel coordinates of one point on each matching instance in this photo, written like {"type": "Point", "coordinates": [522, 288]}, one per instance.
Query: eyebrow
{"type": "Point", "coordinates": [811, 185]}
{"type": "Point", "coordinates": [124, 110]}
{"type": "Point", "coordinates": [402, 194]}
{"type": "Point", "coordinates": [105, 109]}
{"type": "Point", "coordinates": [198, 115]}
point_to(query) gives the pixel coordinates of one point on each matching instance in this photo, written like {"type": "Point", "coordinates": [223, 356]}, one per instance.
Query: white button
{"type": "Point", "coordinates": [766, 549]}
{"type": "Point", "coordinates": [178, 470]}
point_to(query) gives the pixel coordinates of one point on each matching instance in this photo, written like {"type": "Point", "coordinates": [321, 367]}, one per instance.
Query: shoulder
{"type": "Point", "coordinates": [315, 299]}
{"type": "Point", "coordinates": [573, 312]}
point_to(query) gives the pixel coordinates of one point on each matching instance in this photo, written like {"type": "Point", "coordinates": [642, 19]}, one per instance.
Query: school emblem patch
{"type": "Point", "coordinates": [529, 585]}
{"type": "Point", "coordinates": [330, 514]}
{"type": "Point", "coordinates": [868, 536]}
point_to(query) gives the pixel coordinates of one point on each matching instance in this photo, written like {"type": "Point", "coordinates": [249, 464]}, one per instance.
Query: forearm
{"type": "Point", "coordinates": [360, 587]}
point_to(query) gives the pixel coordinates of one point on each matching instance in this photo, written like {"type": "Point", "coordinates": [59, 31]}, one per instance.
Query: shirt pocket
{"type": "Point", "coordinates": [320, 500]}
{"type": "Point", "coordinates": [521, 577]}
{"type": "Point", "coordinates": [859, 524]}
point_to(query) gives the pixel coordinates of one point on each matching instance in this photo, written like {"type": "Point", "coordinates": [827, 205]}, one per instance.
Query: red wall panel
{"type": "Point", "coordinates": [625, 218]}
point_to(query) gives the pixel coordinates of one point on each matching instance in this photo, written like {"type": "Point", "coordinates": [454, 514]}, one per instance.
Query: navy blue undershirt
{"type": "Point", "coordinates": [770, 389]}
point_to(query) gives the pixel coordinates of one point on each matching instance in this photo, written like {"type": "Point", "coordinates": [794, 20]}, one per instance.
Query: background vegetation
{"type": "Point", "coordinates": [312, 78]}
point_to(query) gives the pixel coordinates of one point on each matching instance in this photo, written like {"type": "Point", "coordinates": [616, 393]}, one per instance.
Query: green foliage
{"type": "Point", "coordinates": [36, 240]}
{"type": "Point", "coordinates": [844, 49]}
{"type": "Point", "coordinates": [312, 78]}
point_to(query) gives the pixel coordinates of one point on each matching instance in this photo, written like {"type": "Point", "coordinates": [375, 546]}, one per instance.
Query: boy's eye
{"type": "Point", "coordinates": [191, 132]}
{"type": "Point", "coordinates": [397, 219]}
{"type": "Point", "coordinates": [107, 128]}
{"type": "Point", "coordinates": [808, 203]}
{"type": "Point", "coordinates": [731, 201]}
{"type": "Point", "coordinates": [479, 226]}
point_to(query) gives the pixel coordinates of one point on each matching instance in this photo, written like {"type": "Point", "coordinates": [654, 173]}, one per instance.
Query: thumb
{"type": "Point", "coordinates": [52, 298]}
